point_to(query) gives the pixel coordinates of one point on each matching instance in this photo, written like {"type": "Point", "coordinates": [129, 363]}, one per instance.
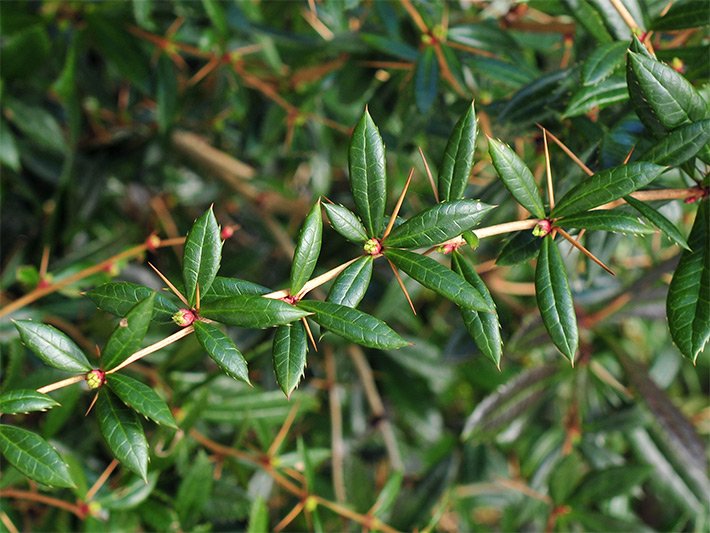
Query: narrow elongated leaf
{"type": "Point", "coordinates": [681, 15]}
{"type": "Point", "coordinates": [522, 247]}
{"type": "Point", "coordinates": [24, 401]}
{"type": "Point", "coordinates": [128, 335]}
{"type": "Point", "coordinates": [554, 299]}
{"type": "Point", "coordinates": [688, 303]}
{"type": "Point", "coordinates": [222, 350]}
{"type": "Point", "coordinates": [602, 62]}
{"type": "Point", "coordinates": [457, 163]}
{"type": "Point", "coordinates": [52, 346]}
{"type": "Point", "coordinates": [351, 284]}
{"type": "Point", "coordinates": [426, 79]}
{"type": "Point", "coordinates": [439, 279]}
{"type": "Point", "coordinates": [258, 516]}
{"type": "Point", "coordinates": [680, 145]}
{"type": "Point", "coordinates": [483, 327]}
{"type": "Point", "coordinates": [289, 352]}
{"type": "Point", "coordinates": [368, 178]}
{"type": "Point", "coordinates": [606, 221]}
{"type": "Point", "coordinates": [203, 253]}
{"type": "Point", "coordinates": [602, 485]}
{"type": "Point", "coordinates": [658, 220]}
{"type": "Point", "coordinates": [346, 222]}
{"type": "Point", "coordinates": [354, 325]}
{"type": "Point", "coordinates": [516, 177]}
{"type": "Point", "coordinates": [118, 297]}
{"type": "Point", "coordinates": [438, 224]}
{"type": "Point", "coordinates": [34, 457]}
{"type": "Point", "coordinates": [590, 19]}
{"type": "Point", "coordinates": [195, 489]}
{"type": "Point", "coordinates": [598, 96]}
{"type": "Point", "coordinates": [141, 398]}
{"type": "Point", "coordinates": [606, 186]}
{"type": "Point", "coordinates": [661, 94]}
{"type": "Point", "coordinates": [123, 433]}
{"type": "Point", "coordinates": [222, 287]}
{"type": "Point", "coordinates": [307, 249]}
{"type": "Point", "coordinates": [251, 311]}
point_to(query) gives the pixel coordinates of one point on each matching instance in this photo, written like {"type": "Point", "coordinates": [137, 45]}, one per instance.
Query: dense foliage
{"type": "Point", "coordinates": [242, 309]}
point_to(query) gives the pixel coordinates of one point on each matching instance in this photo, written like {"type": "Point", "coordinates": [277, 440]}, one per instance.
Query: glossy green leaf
{"type": "Point", "coordinates": [119, 297]}
{"type": "Point", "coordinates": [680, 145]}
{"type": "Point", "coordinates": [554, 299]}
{"type": "Point", "coordinates": [603, 62]}
{"type": "Point", "coordinates": [606, 186]}
{"type": "Point", "coordinates": [606, 221]}
{"type": "Point", "coordinates": [516, 177]}
{"type": "Point", "coordinates": [483, 327]}
{"type": "Point", "coordinates": [166, 93]}
{"type": "Point", "coordinates": [34, 457]}
{"type": "Point", "coordinates": [368, 179]}
{"type": "Point", "coordinates": [346, 222]}
{"type": "Point", "coordinates": [52, 346]}
{"type": "Point", "coordinates": [602, 485]}
{"type": "Point", "coordinates": [590, 19]}
{"type": "Point", "coordinates": [354, 325]}
{"type": "Point", "coordinates": [25, 401]}
{"type": "Point", "coordinates": [437, 224]}
{"type": "Point", "coordinates": [522, 247]}
{"type": "Point", "coordinates": [307, 249]}
{"type": "Point", "coordinates": [455, 168]}
{"type": "Point", "coordinates": [392, 47]}
{"type": "Point", "coordinates": [126, 339]}
{"type": "Point", "coordinates": [688, 303]}
{"type": "Point", "coordinates": [351, 284]}
{"type": "Point", "coordinates": [203, 253]}
{"type": "Point", "coordinates": [258, 516]}
{"type": "Point", "coordinates": [598, 96]}
{"type": "Point", "coordinates": [289, 353]}
{"type": "Point", "coordinates": [37, 124]}
{"type": "Point", "coordinates": [130, 495]}
{"type": "Point", "coordinates": [9, 154]}
{"type": "Point", "coordinates": [195, 489]}
{"type": "Point", "coordinates": [662, 97]}
{"type": "Point", "coordinates": [438, 278]}
{"type": "Point", "coordinates": [122, 430]}
{"type": "Point", "coordinates": [251, 311]}
{"type": "Point", "coordinates": [682, 15]}
{"type": "Point", "coordinates": [222, 350]}
{"type": "Point", "coordinates": [538, 100]}
{"type": "Point", "coordinates": [426, 79]}
{"type": "Point", "coordinates": [222, 287]}
{"type": "Point", "coordinates": [658, 220]}
{"type": "Point", "coordinates": [141, 398]}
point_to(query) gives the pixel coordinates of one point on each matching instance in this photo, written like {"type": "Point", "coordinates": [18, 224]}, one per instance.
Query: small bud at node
{"type": "Point", "coordinates": [95, 378]}
{"type": "Point", "coordinates": [184, 317]}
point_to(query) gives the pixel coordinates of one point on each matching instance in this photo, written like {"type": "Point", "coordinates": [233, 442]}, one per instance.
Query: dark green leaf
{"type": "Point", "coordinates": [658, 220]}
{"type": "Point", "coordinates": [37, 124]}
{"type": "Point", "coordinates": [195, 489]}
{"type": "Point", "coordinates": [437, 224]}
{"type": "Point", "coordinates": [52, 346]}
{"type": "Point", "coordinates": [688, 304]}
{"type": "Point", "coordinates": [590, 19]}
{"type": "Point", "coordinates": [34, 457]}
{"type": "Point", "coordinates": [426, 79]}
{"type": "Point", "coordinates": [203, 253]}
{"type": "Point", "coordinates": [439, 279]}
{"type": "Point", "coordinates": [598, 96]}
{"type": "Point", "coordinates": [130, 495]}
{"type": "Point", "coordinates": [565, 477]}
{"type": "Point", "coordinates": [606, 186]}
{"type": "Point", "coordinates": [522, 247]}
{"type": "Point", "coordinates": [554, 299]}
{"type": "Point", "coordinates": [602, 62]}
{"type": "Point", "coordinates": [661, 96]}
{"type": "Point", "coordinates": [123, 433]}
{"type": "Point", "coordinates": [389, 46]}
{"type": "Point", "coordinates": [9, 154]}
{"type": "Point", "coordinates": [354, 325]}
{"type": "Point", "coordinates": [222, 287]}
{"type": "Point", "coordinates": [141, 398]}
{"type": "Point", "coordinates": [602, 485]}
{"type": "Point", "coordinates": [289, 352]}
{"type": "Point", "coordinates": [680, 145]}
{"type": "Point", "coordinates": [483, 327]}
{"type": "Point", "coordinates": [119, 297]}
{"type": "Point", "coordinates": [606, 221]}
{"type": "Point", "coordinates": [368, 178]}
{"type": "Point", "coordinates": [351, 284]}
{"type": "Point", "coordinates": [516, 177]}
{"type": "Point", "coordinates": [538, 99]}
{"type": "Point", "coordinates": [682, 15]}
{"type": "Point", "coordinates": [25, 401]}
{"type": "Point", "coordinates": [251, 311]}
{"type": "Point", "coordinates": [167, 93]}
{"type": "Point", "coordinates": [307, 249]}
{"type": "Point", "coordinates": [126, 339]}
{"type": "Point", "coordinates": [346, 223]}
{"type": "Point", "coordinates": [222, 350]}
{"type": "Point", "coordinates": [457, 163]}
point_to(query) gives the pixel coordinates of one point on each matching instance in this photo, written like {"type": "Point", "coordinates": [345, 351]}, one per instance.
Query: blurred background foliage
{"type": "Point", "coordinates": [122, 118]}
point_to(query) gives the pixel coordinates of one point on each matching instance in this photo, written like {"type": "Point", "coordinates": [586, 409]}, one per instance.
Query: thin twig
{"type": "Point", "coordinates": [101, 480]}
{"type": "Point", "coordinates": [153, 348]}
{"type": "Point", "coordinates": [398, 206]}
{"type": "Point", "coordinates": [548, 170]}
{"type": "Point", "coordinates": [429, 176]}
{"type": "Point", "coordinates": [41, 498]}
{"type": "Point", "coordinates": [61, 384]}
{"type": "Point", "coordinates": [167, 282]}
{"type": "Point", "coordinates": [582, 249]}
{"type": "Point", "coordinates": [401, 284]}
